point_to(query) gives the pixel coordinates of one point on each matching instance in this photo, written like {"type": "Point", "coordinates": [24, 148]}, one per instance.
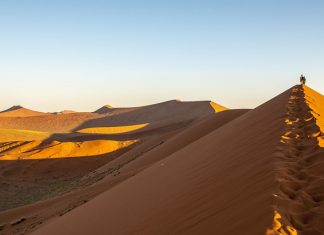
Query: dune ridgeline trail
{"type": "Point", "coordinates": [299, 168]}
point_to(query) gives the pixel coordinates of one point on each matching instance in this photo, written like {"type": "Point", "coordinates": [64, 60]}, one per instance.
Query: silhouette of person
{"type": "Point", "coordinates": [302, 79]}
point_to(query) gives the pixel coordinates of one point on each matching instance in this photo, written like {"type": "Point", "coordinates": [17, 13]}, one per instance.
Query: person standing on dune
{"type": "Point", "coordinates": [302, 79]}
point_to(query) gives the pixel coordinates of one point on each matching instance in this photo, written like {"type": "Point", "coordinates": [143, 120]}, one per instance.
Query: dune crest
{"type": "Point", "coordinates": [104, 109]}
{"type": "Point", "coordinates": [19, 111]}
{"type": "Point", "coordinates": [297, 205]}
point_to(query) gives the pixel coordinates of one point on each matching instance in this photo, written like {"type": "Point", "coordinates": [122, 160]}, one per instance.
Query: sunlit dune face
{"type": "Point", "coordinates": [33, 150]}
{"type": "Point", "coordinates": [315, 101]}
{"type": "Point", "coordinates": [113, 129]}
{"type": "Point", "coordinates": [21, 135]}
{"type": "Point", "coordinates": [217, 107]}
{"type": "Point", "coordinates": [278, 228]}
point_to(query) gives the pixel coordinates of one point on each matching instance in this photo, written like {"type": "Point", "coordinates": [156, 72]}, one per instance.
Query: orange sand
{"type": "Point", "coordinates": [33, 150]}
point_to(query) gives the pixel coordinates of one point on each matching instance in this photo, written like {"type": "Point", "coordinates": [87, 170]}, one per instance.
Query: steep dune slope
{"type": "Point", "coordinates": [175, 143]}
{"type": "Point", "coordinates": [220, 184]}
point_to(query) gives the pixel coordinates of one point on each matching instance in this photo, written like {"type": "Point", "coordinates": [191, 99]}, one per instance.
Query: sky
{"type": "Point", "coordinates": [82, 54]}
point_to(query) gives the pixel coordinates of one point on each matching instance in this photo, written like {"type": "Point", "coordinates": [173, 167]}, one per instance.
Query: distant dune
{"type": "Point", "coordinates": [166, 111]}
{"type": "Point", "coordinates": [104, 109]}
{"type": "Point", "coordinates": [47, 123]}
{"type": "Point", "coordinates": [171, 111]}
{"type": "Point", "coordinates": [19, 111]}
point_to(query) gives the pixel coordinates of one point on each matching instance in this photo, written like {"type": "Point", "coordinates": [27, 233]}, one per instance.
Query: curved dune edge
{"type": "Point", "coordinates": [113, 129]}
{"type": "Point", "coordinates": [315, 101]}
{"type": "Point", "coordinates": [32, 150]}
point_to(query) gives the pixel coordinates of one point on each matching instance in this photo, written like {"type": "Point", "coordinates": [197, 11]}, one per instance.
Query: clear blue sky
{"type": "Point", "coordinates": [80, 55]}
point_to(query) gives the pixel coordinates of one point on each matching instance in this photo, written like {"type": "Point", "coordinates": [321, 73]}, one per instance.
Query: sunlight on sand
{"type": "Point", "coordinates": [278, 228]}
{"type": "Point", "coordinates": [315, 101]}
{"type": "Point", "coordinates": [33, 149]}
{"type": "Point", "coordinates": [113, 129]}
{"type": "Point", "coordinates": [21, 135]}
{"type": "Point", "coordinates": [217, 107]}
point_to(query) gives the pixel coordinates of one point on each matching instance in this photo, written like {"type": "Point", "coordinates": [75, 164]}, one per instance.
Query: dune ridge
{"type": "Point", "coordinates": [19, 111]}
{"type": "Point", "coordinates": [298, 202]}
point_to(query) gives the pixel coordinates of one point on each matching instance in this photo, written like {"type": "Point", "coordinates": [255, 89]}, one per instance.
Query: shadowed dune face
{"type": "Point", "coordinates": [28, 181]}
{"type": "Point", "coordinates": [47, 123]}
{"type": "Point", "coordinates": [170, 111]}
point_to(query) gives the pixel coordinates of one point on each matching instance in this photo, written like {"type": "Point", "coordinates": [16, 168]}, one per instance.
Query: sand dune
{"type": "Point", "coordinates": [194, 171]}
{"type": "Point", "coordinates": [47, 123]}
{"type": "Point", "coordinates": [104, 109]}
{"type": "Point", "coordinates": [44, 159]}
{"type": "Point", "coordinates": [166, 111]}
{"type": "Point", "coordinates": [226, 182]}
{"type": "Point", "coordinates": [182, 193]}
{"type": "Point", "coordinates": [19, 111]}
{"type": "Point", "coordinates": [118, 170]}
{"type": "Point", "coordinates": [171, 111]}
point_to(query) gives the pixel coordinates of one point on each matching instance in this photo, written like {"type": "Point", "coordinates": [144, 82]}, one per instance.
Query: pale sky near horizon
{"type": "Point", "coordinates": [80, 55]}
